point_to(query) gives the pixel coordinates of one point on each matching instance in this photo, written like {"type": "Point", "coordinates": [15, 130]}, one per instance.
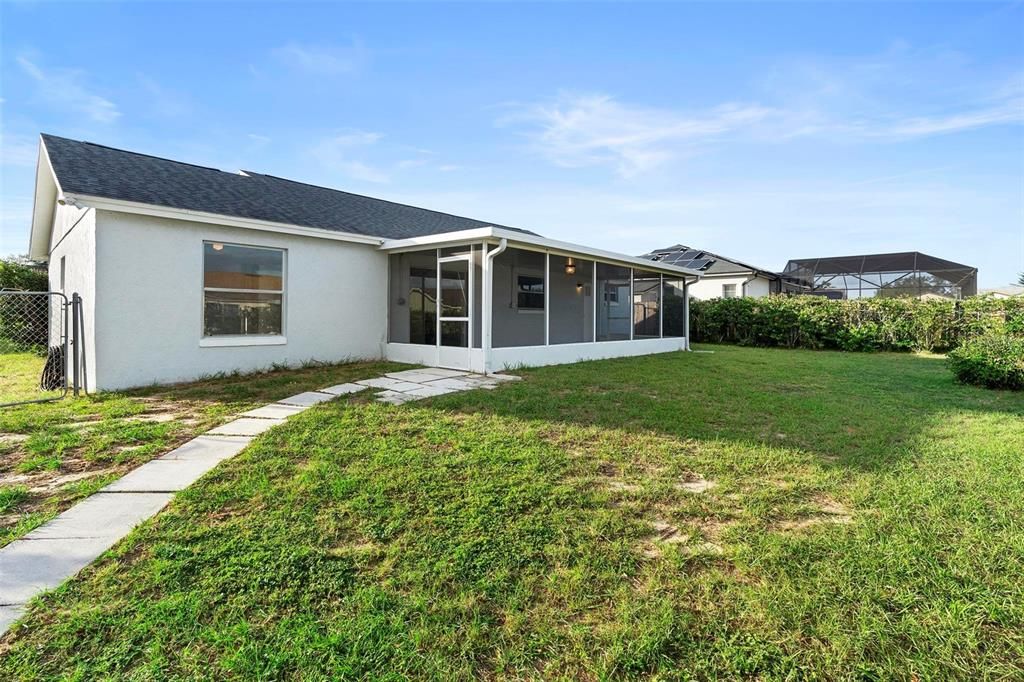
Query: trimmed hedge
{"type": "Point", "coordinates": [991, 360]}
{"type": "Point", "coordinates": [873, 324]}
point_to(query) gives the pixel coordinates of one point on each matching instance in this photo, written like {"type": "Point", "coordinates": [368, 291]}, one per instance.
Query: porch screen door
{"type": "Point", "coordinates": [455, 306]}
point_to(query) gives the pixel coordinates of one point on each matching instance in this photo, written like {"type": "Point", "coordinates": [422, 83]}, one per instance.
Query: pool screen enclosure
{"type": "Point", "coordinates": [890, 275]}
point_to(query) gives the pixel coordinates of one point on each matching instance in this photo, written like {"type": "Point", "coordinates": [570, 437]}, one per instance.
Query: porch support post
{"type": "Point", "coordinates": [594, 305]}
{"type": "Point", "coordinates": [547, 299]}
{"type": "Point", "coordinates": [630, 311]}
{"type": "Point", "coordinates": [661, 306]}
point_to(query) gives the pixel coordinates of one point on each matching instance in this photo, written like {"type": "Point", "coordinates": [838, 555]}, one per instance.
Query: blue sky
{"type": "Point", "coordinates": [761, 131]}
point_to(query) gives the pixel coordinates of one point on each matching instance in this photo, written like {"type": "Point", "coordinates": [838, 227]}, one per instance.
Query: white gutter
{"type": "Point", "coordinates": [532, 242]}
{"type": "Point", "coordinates": [488, 303]}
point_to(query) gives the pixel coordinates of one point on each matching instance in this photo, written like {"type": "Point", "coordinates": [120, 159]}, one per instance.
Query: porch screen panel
{"type": "Point", "coordinates": [614, 314]}
{"type": "Point", "coordinates": [572, 300]}
{"type": "Point", "coordinates": [455, 303]}
{"type": "Point", "coordinates": [646, 305]}
{"type": "Point", "coordinates": [674, 308]}
{"type": "Point", "coordinates": [413, 290]}
{"type": "Point", "coordinates": [518, 299]}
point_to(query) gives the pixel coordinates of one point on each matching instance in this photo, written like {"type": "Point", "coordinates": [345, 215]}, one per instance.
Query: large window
{"type": "Point", "coordinates": [243, 290]}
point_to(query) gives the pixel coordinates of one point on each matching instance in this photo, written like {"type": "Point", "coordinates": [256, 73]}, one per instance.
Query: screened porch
{"type": "Point", "coordinates": [486, 306]}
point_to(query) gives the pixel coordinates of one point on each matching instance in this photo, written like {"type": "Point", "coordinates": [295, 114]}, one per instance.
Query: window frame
{"type": "Point", "coordinates": [220, 340]}
{"type": "Point", "coordinates": [734, 291]}
{"type": "Point", "coordinates": [525, 272]}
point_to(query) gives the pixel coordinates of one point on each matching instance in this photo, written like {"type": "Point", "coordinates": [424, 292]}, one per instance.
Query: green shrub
{"type": "Point", "coordinates": [18, 274]}
{"type": "Point", "coordinates": [991, 360]}
{"type": "Point", "coordinates": [892, 324]}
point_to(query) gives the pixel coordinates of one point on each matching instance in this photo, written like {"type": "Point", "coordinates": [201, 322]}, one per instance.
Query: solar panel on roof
{"type": "Point", "coordinates": [700, 263]}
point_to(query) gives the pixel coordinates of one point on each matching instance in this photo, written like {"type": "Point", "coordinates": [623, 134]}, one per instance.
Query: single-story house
{"type": "Point", "coordinates": [1009, 291]}
{"type": "Point", "coordinates": [721, 277]}
{"type": "Point", "coordinates": [186, 271]}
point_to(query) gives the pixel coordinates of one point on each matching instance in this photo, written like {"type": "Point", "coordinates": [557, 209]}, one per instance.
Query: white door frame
{"type": "Point", "coordinates": [455, 357]}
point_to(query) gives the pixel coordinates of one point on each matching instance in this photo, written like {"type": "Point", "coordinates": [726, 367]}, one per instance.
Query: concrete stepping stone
{"type": "Point", "coordinates": [209, 448]}
{"type": "Point", "coordinates": [28, 567]}
{"type": "Point", "coordinates": [395, 397]}
{"type": "Point", "coordinates": [163, 475]}
{"type": "Point", "coordinates": [453, 384]}
{"type": "Point", "coordinates": [441, 372]}
{"type": "Point", "coordinates": [103, 515]}
{"type": "Point", "coordinates": [504, 377]}
{"type": "Point", "coordinates": [246, 426]}
{"type": "Point", "coordinates": [274, 411]}
{"type": "Point", "coordinates": [343, 389]}
{"type": "Point", "coordinates": [413, 375]}
{"type": "Point", "coordinates": [430, 391]}
{"type": "Point", "coordinates": [307, 399]}
{"type": "Point", "coordinates": [389, 384]}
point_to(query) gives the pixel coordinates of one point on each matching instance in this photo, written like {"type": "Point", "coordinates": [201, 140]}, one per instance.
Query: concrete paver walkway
{"type": "Point", "coordinates": [57, 550]}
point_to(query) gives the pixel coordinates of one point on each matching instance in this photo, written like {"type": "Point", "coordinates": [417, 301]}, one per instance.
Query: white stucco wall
{"type": "Point", "coordinates": [74, 240]}
{"type": "Point", "coordinates": [758, 287]}
{"type": "Point", "coordinates": [711, 287]}
{"type": "Point", "coordinates": [149, 301]}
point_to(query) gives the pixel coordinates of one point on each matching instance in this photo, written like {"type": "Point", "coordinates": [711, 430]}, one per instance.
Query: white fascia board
{"type": "Point", "coordinates": [118, 205]}
{"type": "Point", "coordinates": [534, 243]}
{"type": "Point", "coordinates": [44, 205]}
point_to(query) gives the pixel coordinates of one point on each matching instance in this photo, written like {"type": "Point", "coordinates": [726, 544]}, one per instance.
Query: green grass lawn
{"type": "Point", "coordinates": [744, 513]}
{"type": "Point", "coordinates": [19, 377]}
{"type": "Point", "coordinates": [54, 454]}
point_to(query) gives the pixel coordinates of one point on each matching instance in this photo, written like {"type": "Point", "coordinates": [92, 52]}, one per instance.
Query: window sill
{"type": "Point", "coordinates": [228, 341]}
{"type": "Point", "coordinates": [529, 311]}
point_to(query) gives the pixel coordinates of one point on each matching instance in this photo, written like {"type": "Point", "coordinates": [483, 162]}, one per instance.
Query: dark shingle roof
{"type": "Point", "coordinates": [95, 170]}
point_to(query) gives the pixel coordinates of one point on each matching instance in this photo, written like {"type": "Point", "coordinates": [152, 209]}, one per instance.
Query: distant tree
{"type": "Point", "coordinates": [23, 274]}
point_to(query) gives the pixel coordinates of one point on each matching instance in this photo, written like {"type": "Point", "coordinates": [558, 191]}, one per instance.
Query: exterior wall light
{"type": "Point", "coordinates": [217, 246]}
{"type": "Point", "coordinates": [570, 266]}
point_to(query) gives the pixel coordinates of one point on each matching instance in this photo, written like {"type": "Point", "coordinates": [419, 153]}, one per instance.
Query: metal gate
{"type": "Point", "coordinates": [40, 354]}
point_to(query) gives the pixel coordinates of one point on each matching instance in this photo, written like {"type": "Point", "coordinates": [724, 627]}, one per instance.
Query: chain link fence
{"type": "Point", "coordinates": [35, 346]}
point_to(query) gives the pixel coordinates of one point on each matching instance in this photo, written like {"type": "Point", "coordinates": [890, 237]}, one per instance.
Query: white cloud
{"type": "Point", "coordinates": [337, 153]}
{"type": "Point", "coordinates": [581, 130]}
{"type": "Point", "coordinates": [323, 59]}
{"type": "Point", "coordinates": [1009, 112]}
{"type": "Point", "coordinates": [64, 88]}
{"type": "Point", "coordinates": [596, 129]}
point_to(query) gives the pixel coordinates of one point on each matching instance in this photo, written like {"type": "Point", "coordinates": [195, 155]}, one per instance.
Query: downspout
{"type": "Point", "coordinates": [488, 302]}
{"type": "Point", "coordinates": [686, 313]}
{"type": "Point", "coordinates": [743, 285]}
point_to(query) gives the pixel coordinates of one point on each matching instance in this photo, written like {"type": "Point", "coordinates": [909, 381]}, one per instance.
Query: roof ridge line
{"type": "Point", "coordinates": [134, 153]}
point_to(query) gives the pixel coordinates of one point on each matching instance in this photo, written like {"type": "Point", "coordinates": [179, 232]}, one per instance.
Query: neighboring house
{"type": "Point", "coordinates": [186, 271]}
{"type": "Point", "coordinates": [1009, 291]}
{"type": "Point", "coordinates": [721, 277]}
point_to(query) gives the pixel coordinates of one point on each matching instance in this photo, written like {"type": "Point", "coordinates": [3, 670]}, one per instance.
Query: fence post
{"type": "Point", "coordinates": [76, 307]}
